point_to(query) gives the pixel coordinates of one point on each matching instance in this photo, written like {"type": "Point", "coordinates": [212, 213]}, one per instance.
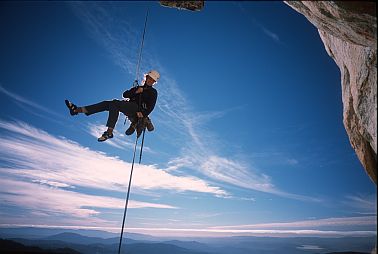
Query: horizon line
{"type": "Point", "coordinates": [209, 233]}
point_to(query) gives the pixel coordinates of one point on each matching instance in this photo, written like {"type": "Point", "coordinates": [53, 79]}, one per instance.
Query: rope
{"type": "Point", "coordinates": [141, 147]}
{"type": "Point", "coordinates": [127, 197]}
{"type": "Point", "coordinates": [136, 140]}
{"type": "Point", "coordinates": [141, 48]}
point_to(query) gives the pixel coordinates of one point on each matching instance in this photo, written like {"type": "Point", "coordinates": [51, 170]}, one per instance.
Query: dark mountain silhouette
{"type": "Point", "coordinates": [12, 247]}
{"type": "Point", "coordinates": [192, 245]}
{"type": "Point", "coordinates": [348, 252]}
{"type": "Point", "coordinates": [158, 248]}
{"type": "Point", "coordinates": [38, 233]}
{"type": "Point", "coordinates": [80, 239]}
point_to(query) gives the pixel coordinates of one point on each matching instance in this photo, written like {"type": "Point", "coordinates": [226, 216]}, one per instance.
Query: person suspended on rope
{"type": "Point", "coordinates": [139, 103]}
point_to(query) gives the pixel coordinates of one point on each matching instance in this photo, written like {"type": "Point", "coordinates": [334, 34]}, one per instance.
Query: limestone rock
{"type": "Point", "coordinates": [188, 5]}
{"type": "Point", "coordinates": [352, 21]}
{"type": "Point", "coordinates": [349, 33]}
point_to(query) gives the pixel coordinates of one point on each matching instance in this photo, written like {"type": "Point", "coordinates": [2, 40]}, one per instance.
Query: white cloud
{"type": "Point", "coordinates": [46, 175]}
{"type": "Point", "coordinates": [37, 155]}
{"type": "Point", "coordinates": [38, 197]}
{"type": "Point", "coordinates": [25, 101]}
{"type": "Point", "coordinates": [207, 232]}
{"type": "Point", "coordinates": [232, 172]}
{"type": "Point", "coordinates": [210, 232]}
{"type": "Point", "coordinates": [309, 247]}
{"type": "Point", "coordinates": [292, 162]}
{"type": "Point", "coordinates": [265, 30]}
{"type": "Point", "coordinates": [31, 107]}
{"type": "Point", "coordinates": [116, 35]}
{"type": "Point", "coordinates": [362, 203]}
{"type": "Point", "coordinates": [334, 222]}
{"type": "Point", "coordinates": [119, 141]}
{"type": "Point", "coordinates": [53, 184]}
{"type": "Point", "coordinates": [42, 205]}
{"type": "Point", "coordinates": [198, 153]}
{"type": "Point", "coordinates": [270, 34]}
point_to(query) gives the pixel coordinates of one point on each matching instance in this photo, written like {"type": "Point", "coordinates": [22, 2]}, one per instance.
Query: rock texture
{"type": "Point", "coordinates": [187, 5]}
{"type": "Point", "coordinates": [349, 33]}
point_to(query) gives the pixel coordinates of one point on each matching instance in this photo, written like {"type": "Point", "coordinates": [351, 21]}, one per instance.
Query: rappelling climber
{"type": "Point", "coordinates": [139, 103]}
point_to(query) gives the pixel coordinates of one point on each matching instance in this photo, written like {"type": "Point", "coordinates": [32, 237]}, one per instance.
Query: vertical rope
{"type": "Point", "coordinates": [141, 48]}
{"type": "Point", "coordinates": [141, 147]}
{"type": "Point", "coordinates": [127, 197]}
{"type": "Point", "coordinates": [136, 140]}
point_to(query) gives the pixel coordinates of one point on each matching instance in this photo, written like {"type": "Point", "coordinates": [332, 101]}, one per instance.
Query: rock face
{"type": "Point", "coordinates": [187, 5]}
{"type": "Point", "coordinates": [349, 33]}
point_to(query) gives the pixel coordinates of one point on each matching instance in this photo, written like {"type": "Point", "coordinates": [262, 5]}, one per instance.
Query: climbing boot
{"type": "Point", "coordinates": [140, 127]}
{"type": "Point", "coordinates": [131, 128]}
{"type": "Point", "coordinates": [148, 123]}
{"type": "Point", "coordinates": [106, 135]}
{"type": "Point", "coordinates": [72, 107]}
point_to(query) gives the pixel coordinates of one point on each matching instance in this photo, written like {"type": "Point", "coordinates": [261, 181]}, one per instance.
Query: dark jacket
{"type": "Point", "coordinates": [146, 100]}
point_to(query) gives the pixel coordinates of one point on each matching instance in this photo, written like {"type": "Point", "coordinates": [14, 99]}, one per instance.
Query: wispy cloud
{"type": "Point", "coordinates": [309, 247]}
{"type": "Point", "coordinates": [120, 140]}
{"type": "Point", "coordinates": [29, 105]}
{"type": "Point", "coordinates": [269, 33]}
{"type": "Point", "coordinates": [116, 35]}
{"type": "Point", "coordinates": [198, 152]}
{"type": "Point", "coordinates": [362, 203]}
{"type": "Point", "coordinates": [274, 36]}
{"type": "Point", "coordinates": [292, 161]}
{"type": "Point", "coordinates": [208, 232]}
{"type": "Point", "coordinates": [232, 172]}
{"type": "Point", "coordinates": [53, 200]}
{"type": "Point", "coordinates": [38, 155]}
{"type": "Point", "coordinates": [42, 203]}
{"type": "Point", "coordinates": [48, 175]}
{"type": "Point", "coordinates": [310, 224]}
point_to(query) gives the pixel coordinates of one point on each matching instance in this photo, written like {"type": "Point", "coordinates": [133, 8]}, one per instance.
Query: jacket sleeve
{"type": "Point", "coordinates": [130, 93]}
{"type": "Point", "coordinates": [150, 103]}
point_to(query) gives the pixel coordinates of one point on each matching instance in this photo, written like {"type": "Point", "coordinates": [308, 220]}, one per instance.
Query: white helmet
{"type": "Point", "coordinates": [154, 75]}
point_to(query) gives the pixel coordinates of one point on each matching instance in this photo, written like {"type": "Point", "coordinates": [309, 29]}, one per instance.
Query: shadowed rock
{"type": "Point", "coordinates": [187, 5]}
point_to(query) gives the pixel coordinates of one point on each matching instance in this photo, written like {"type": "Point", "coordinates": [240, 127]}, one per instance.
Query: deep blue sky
{"type": "Point", "coordinates": [249, 131]}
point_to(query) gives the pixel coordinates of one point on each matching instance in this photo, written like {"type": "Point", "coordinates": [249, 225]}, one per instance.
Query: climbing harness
{"type": "Point", "coordinates": [136, 139]}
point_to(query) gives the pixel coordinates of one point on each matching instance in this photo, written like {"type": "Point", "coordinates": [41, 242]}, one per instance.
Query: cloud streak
{"type": "Point", "coordinates": [334, 222]}
{"type": "Point", "coordinates": [29, 105]}
{"type": "Point", "coordinates": [274, 36]}
{"type": "Point", "coordinates": [40, 156]}
{"type": "Point", "coordinates": [47, 175]}
{"type": "Point", "coordinates": [119, 141]}
{"type": "Point", "coordinates": [269, 33]}
{"type": "Point", "coordinates": [53, 200]}
{"type": "Point", "coordinates": [115, 35]}
{"type": "Point", "coordinates": [362, 203]}
{"type": "Point", "coordinates": [206, 232]}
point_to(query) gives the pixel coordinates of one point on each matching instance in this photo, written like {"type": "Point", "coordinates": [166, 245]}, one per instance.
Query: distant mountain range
{"type": "Point", "coordinates": [89, 242]}
{"type": "Point", "coordinates": [12, 247]}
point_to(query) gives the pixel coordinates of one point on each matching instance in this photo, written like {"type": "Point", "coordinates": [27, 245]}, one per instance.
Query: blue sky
{"type": "Point", "coordinates": [248, 133]}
